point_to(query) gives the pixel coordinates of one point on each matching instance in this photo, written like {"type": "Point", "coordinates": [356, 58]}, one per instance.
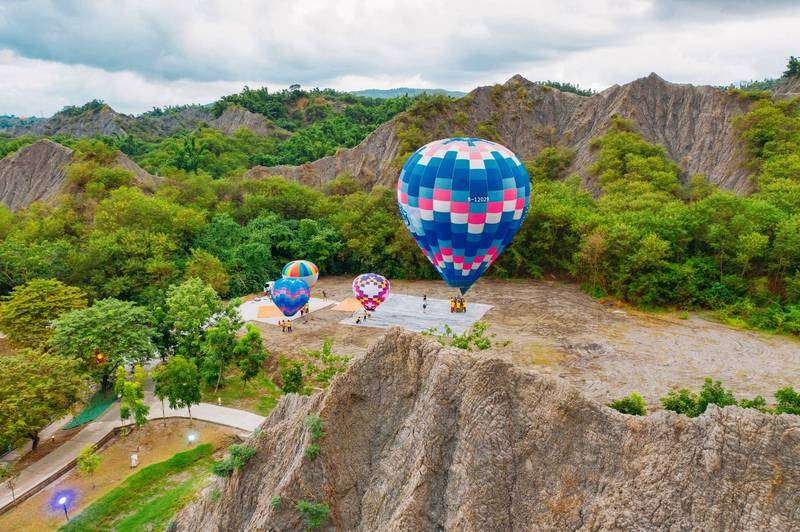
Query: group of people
{"type": "Point", "coordinates": [363, 318]}
{"type": "Point", "coordinates": [285, 325]}
{"type": "Point", "coordinates": [305, 310]}
{"type": "Point", "coordinates": [457, 304]}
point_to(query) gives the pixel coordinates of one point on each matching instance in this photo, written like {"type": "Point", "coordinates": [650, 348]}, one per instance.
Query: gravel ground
{"type": "Point", "coordinates": [605, 350]}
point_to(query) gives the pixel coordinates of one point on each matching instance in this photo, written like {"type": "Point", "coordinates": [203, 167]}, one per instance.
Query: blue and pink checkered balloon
{"type": "Point", "coordinates": [290, 294]}
{"type": "Point", "coordinates": [463, 199]}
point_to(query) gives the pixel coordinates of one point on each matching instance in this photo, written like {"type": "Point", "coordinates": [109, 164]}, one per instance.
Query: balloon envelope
{"type": "Point", "coordinates": [290, 295]}
{"type": "Point", "coordinates": [371, 289]}
{"type": "Point", "coordinates": [302, 269]}
{"type": "Point", "coordinates": [463, 200]}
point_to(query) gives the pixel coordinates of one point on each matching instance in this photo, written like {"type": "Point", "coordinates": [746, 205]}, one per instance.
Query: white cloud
{"type": "Point", "coordinates": [135, 54]}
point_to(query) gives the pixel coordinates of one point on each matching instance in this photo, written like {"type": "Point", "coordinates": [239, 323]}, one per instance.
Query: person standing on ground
{"type": "Point", "coordinates": [289, 325]}
{"type": "Point", "coordinates": [283, 325]}
{"type": "Point", "coordinates": [324, 295]}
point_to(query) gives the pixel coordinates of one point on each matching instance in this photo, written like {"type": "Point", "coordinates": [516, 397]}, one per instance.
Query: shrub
{"type": "Point", "coordinates": [275, 502]}
{"type": "Point", "coordinates": [788, 401]}
{"type": "Point", "coordinates": [681, 402]}
{"type": "Point", "coordinates": [714, 393]}
{"type": "Point", "coordinates": [316, 513]}
{"type": "Point", "coordinates": [292, 377]}
{"type": "Point", "coordinates": [314, 425]}
{"type": "Point", "coordinates": [757, 402]}
{"type": "Point", "coordinates": [238, 455]}
{"type": "Point", "coordinates": [692, 404]}
{"type": "Point", "coordinates": [312, 451]}
{"type": "Point", "coordinates": [633, 404]}
{"type": "Point", "coordinates": [474, 337]}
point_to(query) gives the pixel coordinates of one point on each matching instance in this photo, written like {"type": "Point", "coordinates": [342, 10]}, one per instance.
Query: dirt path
{"type": "Point", "coordinates": [604, 350]}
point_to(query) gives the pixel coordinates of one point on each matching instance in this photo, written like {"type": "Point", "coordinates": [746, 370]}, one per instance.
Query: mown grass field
{"type": "Point", "coordinates": [149, 498]}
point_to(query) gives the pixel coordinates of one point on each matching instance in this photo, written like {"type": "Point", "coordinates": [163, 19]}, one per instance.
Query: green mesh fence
{"type": "Point", "coordinates": [98, 404]}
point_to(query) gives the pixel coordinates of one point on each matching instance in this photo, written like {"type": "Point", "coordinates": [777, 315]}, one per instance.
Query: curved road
{"type": "Point", "coordinates": [30, 478]}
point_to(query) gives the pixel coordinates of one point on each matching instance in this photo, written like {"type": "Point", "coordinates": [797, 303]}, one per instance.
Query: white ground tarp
{"type": "Point", "coordinates": [406, 311]}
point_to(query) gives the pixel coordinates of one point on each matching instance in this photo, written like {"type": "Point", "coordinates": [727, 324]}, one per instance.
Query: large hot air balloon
{"type": "Point", "coordinates": [302, 269]}
{"type": "Point", "coordinates": [290, 295]}
{"type": "Point", "coordinates": [371, 289]}
{"type": "Point", "coordinates": [463, 199]}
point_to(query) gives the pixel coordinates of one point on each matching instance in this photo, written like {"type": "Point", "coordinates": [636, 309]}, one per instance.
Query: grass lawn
{"type": "Point", "coordinates": [150, 497]}
{"type": "Point", "coordinates": [259, 395]}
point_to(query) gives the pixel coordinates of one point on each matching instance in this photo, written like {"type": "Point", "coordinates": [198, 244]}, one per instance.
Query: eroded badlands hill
{"type": "Point", "coordinates": [694, 124]}
{"type": "Point", "coordinates": [421, 437]}
{"type": "Point", "coordinates": [38, 172]}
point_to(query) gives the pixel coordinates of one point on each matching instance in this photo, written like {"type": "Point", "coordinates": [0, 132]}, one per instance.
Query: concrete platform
{"type": "Point", "coordinates": [264, 310]}
{"type": "Point", "coordinates": [406, 311]}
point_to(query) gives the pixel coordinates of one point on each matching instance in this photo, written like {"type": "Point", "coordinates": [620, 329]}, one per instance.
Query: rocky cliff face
{"type": "Point", "coordinates": [235, 117]}
{"type": "Point", "coordinates": [694, 124]}
{"type": "Point", "coordinates": [788, 88]}
{"type": "Point", "coordinates": [34, 173]}
{"type": "Point", "coordinates": [421, 437]}
{"type": "Point", "coordinates": [38, 172]}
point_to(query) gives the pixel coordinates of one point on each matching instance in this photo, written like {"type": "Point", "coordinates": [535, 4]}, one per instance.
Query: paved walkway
{"type": "Point", "coordinates": [30, 478]}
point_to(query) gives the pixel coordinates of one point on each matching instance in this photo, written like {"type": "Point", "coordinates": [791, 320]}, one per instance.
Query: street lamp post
{"type": "Point", "coordinates": [63, 503]}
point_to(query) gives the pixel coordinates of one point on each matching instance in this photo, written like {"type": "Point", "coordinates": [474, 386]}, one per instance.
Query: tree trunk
{"type": "Point", "coordinates": [219, 378]}
{"type": "Point", "coordinates": [163, 414]}
{"type": "Point", "coordinates": [104, 385]}
{"type": "Point", "coordinates": [35, 443]}
{"type": "Point", "coordinates": [189, 407]}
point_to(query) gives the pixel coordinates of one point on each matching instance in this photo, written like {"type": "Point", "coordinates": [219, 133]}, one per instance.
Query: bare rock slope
{"type": "Point", "coordinates": [693, 123]}
{"type": "Point", "coordinates": [235, 117]}
{"type": "Point", "coordinates": [422, 437]}
{"type": "Point", "coordinates": [38, 172]}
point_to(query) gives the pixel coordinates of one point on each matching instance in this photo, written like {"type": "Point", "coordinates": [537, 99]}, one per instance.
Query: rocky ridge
{"type": "Point", "coordinates": [423, 437]}
{"type": "Point", "coordinates": [38, 172]}
{"type": "Point", "coordinates": [693, 123]}
{"type": "Point", "coordinates": [104, 121]}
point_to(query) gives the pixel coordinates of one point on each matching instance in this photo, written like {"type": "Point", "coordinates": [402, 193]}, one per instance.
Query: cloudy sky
{"type": "Point", "coordinates": [136, 54]}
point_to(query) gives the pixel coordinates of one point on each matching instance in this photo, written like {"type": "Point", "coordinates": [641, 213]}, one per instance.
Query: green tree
{"type": "Point", "coordinates": [292, 377]}
{"type": "Point", "coordinates": [88, 461]}
{"type": "Point", "coordinates": [208, 268]}
{"type": "Point", "coordinates": [179, 382]}
{"type": "Point", "coordinates": [36, 389]}
{"type": "Point", "coordinates": [105, 336]}
{"type": "Point", "coordinates": [130, 390]}
{"type": "Point", "coordinates": [632, 404]}
{"type": "Point", "coordinates": [219, 346]}
{"type": "Point", "coordinates": [792, 68]}
{"type": "Point", "coordinates": [190, 306]}
{"type": "Point", "coordinates": [26, 316]}
{"type": "Point", "coordinates": [250, 353]}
